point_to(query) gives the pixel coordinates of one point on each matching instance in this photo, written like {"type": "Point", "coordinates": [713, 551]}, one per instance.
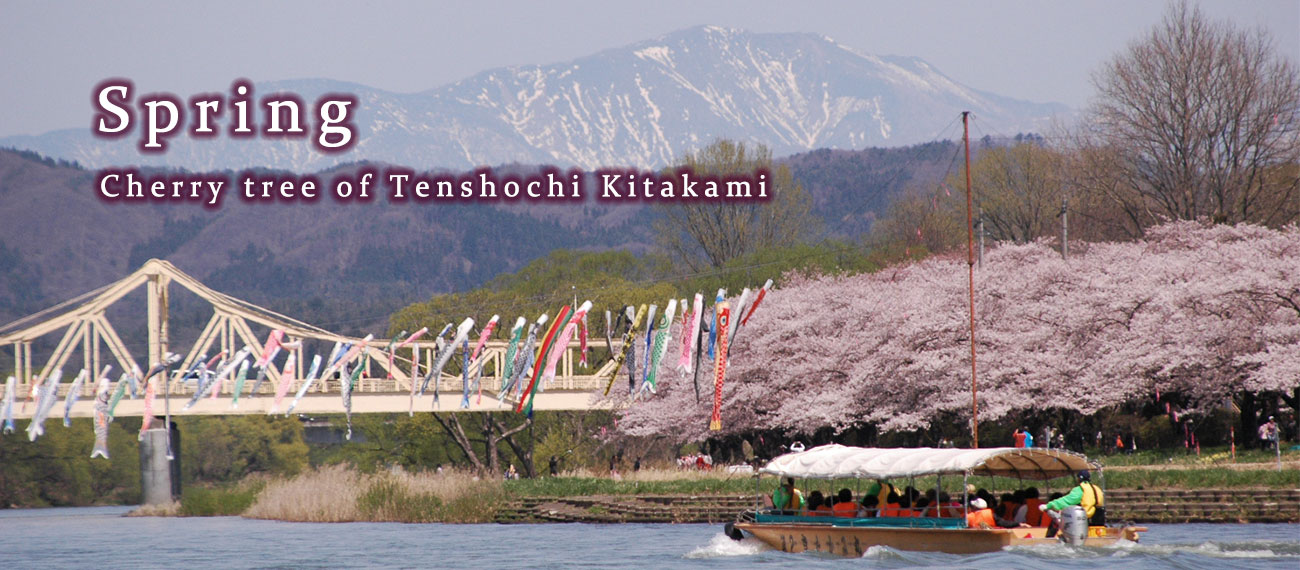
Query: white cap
{"type": "Point", "coordinates": [979, 503]}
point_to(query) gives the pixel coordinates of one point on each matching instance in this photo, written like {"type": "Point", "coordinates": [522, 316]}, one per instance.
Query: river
{"type": "Point", "coordinates": [87, 537]}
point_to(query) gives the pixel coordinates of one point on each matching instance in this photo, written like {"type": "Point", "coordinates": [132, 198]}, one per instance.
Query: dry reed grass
{"type": "Point", "coordinates": [341, 494]}
{"type": "Point", "coordinates": [328, 494]}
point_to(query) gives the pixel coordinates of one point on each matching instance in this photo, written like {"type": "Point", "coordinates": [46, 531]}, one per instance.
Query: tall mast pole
{"type": "Point", "coordinates": [970, 264]}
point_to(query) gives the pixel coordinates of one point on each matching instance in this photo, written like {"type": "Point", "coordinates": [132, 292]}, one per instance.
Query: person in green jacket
{"type": "Point", "coordinates": [1086, 495]}
{"type": "Point", "coordinates": [786, 497]}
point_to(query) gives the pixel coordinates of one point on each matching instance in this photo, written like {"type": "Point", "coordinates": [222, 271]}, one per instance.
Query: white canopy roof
{"type": "Point", "coordinates": [836, 461]}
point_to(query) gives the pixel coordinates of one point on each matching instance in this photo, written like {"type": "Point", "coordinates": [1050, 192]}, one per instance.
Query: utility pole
{"type": "Point", "coordinates": [1065, 231]}
{"type": "Point", "coordinates": [970, 264]}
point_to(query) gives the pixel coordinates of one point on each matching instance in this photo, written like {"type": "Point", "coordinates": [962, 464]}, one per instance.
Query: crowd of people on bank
{"type": "Point", "coordinates": [1022, 508]}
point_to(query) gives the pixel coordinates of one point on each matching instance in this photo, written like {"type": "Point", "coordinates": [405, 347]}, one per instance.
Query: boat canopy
{"type": "Point", "coordinates": [836, 461]}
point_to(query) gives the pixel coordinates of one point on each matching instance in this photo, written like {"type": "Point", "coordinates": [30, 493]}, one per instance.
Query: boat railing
{"type": "Point", "coordinates": [884, 522]}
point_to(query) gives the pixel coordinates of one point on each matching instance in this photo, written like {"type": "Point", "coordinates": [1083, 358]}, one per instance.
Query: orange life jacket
{"type": "Point", "coordinates": [982, 516]}
{"type": "Point", "coordinates": [848, 509]}
{"type": "Point", "coordinates": [1033, 516]}
{"type": "Point", "coordinates": [891, 510]}
{"type": "Point", "coordinates": [1009, 509]}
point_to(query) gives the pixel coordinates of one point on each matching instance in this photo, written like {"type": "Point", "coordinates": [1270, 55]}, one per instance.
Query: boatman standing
{"type": "Point", "coordinates": [786, 497]}
{"type": "Point", "coordinates": [1085, 495]}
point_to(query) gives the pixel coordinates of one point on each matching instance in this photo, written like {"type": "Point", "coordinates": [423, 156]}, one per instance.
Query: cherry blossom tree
{"type": "Point", "coordinates": [1201, 311]}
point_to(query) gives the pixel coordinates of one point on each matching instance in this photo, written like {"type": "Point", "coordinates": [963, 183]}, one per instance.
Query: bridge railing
{"type": "Point", "coordinates": [570, 375]}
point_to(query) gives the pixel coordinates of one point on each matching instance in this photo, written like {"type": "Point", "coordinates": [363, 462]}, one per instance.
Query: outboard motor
{"type": "Point", "coordinates": [1074, 525]}
{"type": "Point", "coordinates": [732, 532]}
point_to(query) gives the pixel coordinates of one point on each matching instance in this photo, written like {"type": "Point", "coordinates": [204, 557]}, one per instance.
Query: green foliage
{"type": "Point", "coordinates": [228, 448]}
{"type": "Point", "coordinates": [221, 500]}
{"type": "Point", "coordinates": [389, 500]}
{"type": "Point", "coordinates": [571, 438]}
{"type": "Point", "coordinates": [390, 440]}
{"type": "Point", "coordinates": [1204, 478]}
{"type": "Point", "coordinates": [56, 469]}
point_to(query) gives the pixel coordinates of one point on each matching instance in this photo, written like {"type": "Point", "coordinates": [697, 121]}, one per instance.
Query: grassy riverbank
{"type": "Point", "coordinates": [342, 493]}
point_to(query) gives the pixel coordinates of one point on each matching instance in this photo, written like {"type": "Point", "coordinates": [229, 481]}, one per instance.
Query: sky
{"type": "Point", "coordinates": [53, 53]}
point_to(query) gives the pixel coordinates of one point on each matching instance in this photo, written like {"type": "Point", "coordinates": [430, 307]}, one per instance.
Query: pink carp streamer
{"type": "Point", "coordinates": [482, 340]}
{"type": "Point", "coordinates": [690, 333]}
{"type": "Point", "coordinates": [286, 378]}
{"type": "Point", "coordinates": [561, 343]}
{"type": "Point", "coordinates": [147, 420]}
{"type": "Point", "coordinates": [270, 349]}
{"type": "Point", "coordinates": [582, 341]}
{"type": "Point", "coordinates": [415, 353]}
{"type": "Point", "coordinates": [759, 299]}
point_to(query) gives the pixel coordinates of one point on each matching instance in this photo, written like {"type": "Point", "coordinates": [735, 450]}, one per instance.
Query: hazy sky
{"type": "Point", "coordinates": [53, 53]}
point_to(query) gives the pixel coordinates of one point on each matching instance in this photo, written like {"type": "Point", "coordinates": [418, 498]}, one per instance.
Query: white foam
{"type": "Point", "coordinates": [722, 546]}
{"type": "Point", "coordinates": [879, 552]}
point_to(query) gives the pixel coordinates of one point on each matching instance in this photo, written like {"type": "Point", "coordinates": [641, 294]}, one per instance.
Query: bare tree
{"type": "Point", "coordinates": [707, 235]}
{"type": "Point", "coordinates": [1019, 191]}
{"type": "Point", "coordinates": [1199, 119]}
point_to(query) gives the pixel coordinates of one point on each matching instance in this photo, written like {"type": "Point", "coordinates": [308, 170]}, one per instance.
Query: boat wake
{"type": "Point", "coordinates": [723, 546]}
{"type": "Point", "coordinates": [1208, 549]}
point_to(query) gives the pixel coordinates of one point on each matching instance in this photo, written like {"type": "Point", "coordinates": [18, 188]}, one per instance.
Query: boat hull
{"type": "Point", "coordinates": [854, 541]}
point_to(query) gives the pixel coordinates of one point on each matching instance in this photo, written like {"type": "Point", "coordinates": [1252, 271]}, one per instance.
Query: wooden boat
{"type": "Point", "coordinates": [851, 536]}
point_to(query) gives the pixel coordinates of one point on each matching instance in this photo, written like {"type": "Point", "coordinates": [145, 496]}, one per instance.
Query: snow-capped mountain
{"type": "Point", "coordinates": [642, 105]}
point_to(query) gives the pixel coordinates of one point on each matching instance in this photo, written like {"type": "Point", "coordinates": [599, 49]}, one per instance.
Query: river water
{"type": "Point", "coordinates": [101, 537]}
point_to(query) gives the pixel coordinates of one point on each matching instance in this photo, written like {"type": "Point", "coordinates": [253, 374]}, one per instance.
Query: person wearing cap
{"type": "Point", "coordinates": [981, 516]}
{"type": "Point", "coordinates": [786, 497]}
{"type": "Point", "coordinates": [1086, 495]}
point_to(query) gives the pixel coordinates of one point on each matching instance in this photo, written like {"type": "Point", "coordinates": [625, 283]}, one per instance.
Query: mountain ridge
{"type": "Point", "coordinates": [641, 105]}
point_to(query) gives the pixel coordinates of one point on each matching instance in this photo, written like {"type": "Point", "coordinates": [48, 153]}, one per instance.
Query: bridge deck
{"type": "Point", "coordinates": [372, 395]}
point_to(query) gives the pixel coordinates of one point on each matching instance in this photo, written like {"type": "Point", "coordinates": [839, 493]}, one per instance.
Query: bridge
{"type": "Point", "coordinates": [90, 337]}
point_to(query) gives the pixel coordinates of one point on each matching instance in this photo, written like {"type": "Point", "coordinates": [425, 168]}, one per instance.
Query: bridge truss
{"type": "Point", "coordinates": [86, 329]}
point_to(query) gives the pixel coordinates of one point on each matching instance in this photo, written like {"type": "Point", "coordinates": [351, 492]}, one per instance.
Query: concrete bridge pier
{"type": "Point", "coordinates": [160, 473]}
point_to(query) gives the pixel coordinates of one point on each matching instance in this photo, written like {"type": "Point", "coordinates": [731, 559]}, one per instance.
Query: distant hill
{"type": "Point", "coordinates": [643, 105]}
{"type": "Point", "coordinates": [58, 240]}
{"type": "Point", "coordinates": [352, 265]}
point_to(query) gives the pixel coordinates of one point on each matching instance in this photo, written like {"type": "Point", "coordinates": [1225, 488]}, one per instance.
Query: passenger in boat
{"type": "Point", "coordinates": [787, 497]}
{"type": "Point", "coordinates": [1086, 495]}
{"type": "Point", "coordinates": [905, 504]}
{"type": "Point", "coordinates": [1008, 505]}
{"type": "Point", "coordinates": [881, 489]}
{"type": "Point", "coordinates": [951, 509]}
{"type": "Point", "coordinates": [921, 508]}
{"type": "Point", "coordinates": [870, 506]}
{"type": "Point", "coordinates": [1018, 437]}
{"type": "Point", "coordinates": [892, 507]}
{"type": "Point", "coordinates": [844, 505]}
{"type": "Point", "coordinates": [813, 507]}
{"type": "Point", "coordinates": [1029, 512]}
{"type": "Point", "coordinates": [981, 516]}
